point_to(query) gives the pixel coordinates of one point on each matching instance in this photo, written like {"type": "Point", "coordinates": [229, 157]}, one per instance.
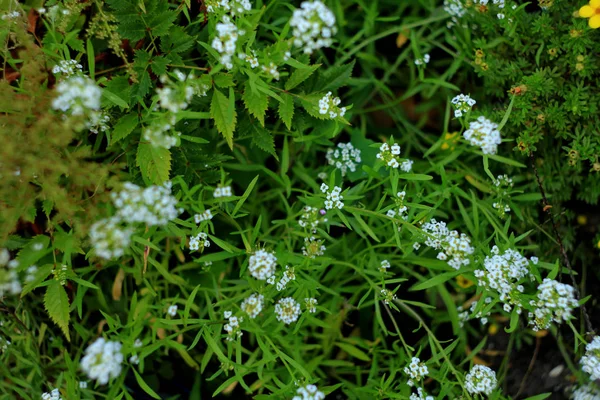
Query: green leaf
{"type": "Point", "coordinates": [353, 351]}
{"type": "Point", "coordinates": [154, 162]}
{"type": "Point", "coordinates": [541, 396]}
{"type": "Point", "coordinates": [224, 116]}
{"type": "Point", "coordinates": [436, 280]}
{"type": "Point", "coordinates": [114, 99]}
{"type": "Point", "coordinates": [223, 80]}
{"type": "Point", "coordinates": [124, 127]}
{"type": "Point", "coordinates": [335, 77]}
{"type": "Point", "coordinates": [263, 139]}
{"type": "Point", "coordinates": [90, 58]}
{"type": "Point", "coordinates": [144, 385]}
{"type": "Point", "coordinates": [256, 102]}
{"type": "Point", "coordinates": [299, 76]}
{"type": "Point", "coordinates": [56, 304]}
{"type": "Point", "coordinates": [286, 109]}
{"type": "Point", "coordinates": [249, 189]}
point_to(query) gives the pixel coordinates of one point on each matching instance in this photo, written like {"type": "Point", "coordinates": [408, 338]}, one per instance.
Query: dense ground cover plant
{"type": "Point", "coordinates": [297, 200]}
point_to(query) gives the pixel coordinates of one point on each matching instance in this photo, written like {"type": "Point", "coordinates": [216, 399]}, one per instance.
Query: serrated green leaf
{"type": "Point", "coordinates": [154, 162]}
{"type": "Point", "coordinates": [286, 109]}
{"type": "Point", "coordinates": [223, 80]}
{"type": "Point", "coordinates": [299, 76]}
{"type": "Point", "coordinates": [335, 77]}
{"type": "Point", "coordinates": [56, 304]}
{"type": "Point", "coordinates": [256, 102]}
{"type": "Point", "coordinates": [124, 127]}
{"type": "Point", "coordinates": [224, 116]}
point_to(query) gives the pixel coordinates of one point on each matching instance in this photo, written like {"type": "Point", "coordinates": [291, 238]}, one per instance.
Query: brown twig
{"type": "Point", "coordinates": [563, 252]}
{"type": "Point", "coordinates": [530, 367]}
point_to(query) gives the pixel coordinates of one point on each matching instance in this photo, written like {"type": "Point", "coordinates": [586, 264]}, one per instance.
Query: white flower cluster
{"type": "Point", "coordinates": [98, 121]}
{"type": "Point", "coordinates": [109, 238]}
{"type": "Point", "coordinates": [67, 68]}
{"type": "Point", "coordinates": [234, 7]}
{"type": "Point", "coordinates": [485, 134]}
{"type": "Point", "coordinates": [226, 40]}
{"type": "Point", "coordinates": [199, 241]}
{"type": "Point", "coordinates": [205, 216]}
{"type": "Point", "coordinates": [481, 380]}
{"type": "Point", "coordinates": [54, 394]}
{"type": "Point", "coordinates": [345, 157]}
{"type": "Point", "coordinates": [390, 155]}
{"type": "Point", "coordinates": [423, 60]}
{"type": "Point", "coordinates": [176, 96]}
{"type": "Point", "coordinates": [590, 362]}
{"type": "Point", "coordinates": [262, 264]}
{"type": "Point", "coordinates": [311, 217]}
{"type": "Point", "coordinates": [464, 316]}
{"type": "Point", "coordinates": [555, 303]}
{"type": "Point", "coordinates": [134, 359]}
{"type": "Point", "coordinates": [251, 59]}
{"type": "Point", "coordinates": [586, 392]}
{"type": "Point", "coordinates": [233, 326]}
{"type": "Point", "coordinates": [384, 266]}
{"type": "Point", "coordinates": [387, 296]}
{"type": "Point", "coordinates": [10, 15]}
{"type": "Point", "coordinates": [102, 360]}
{"type": "Point", "coordinates": [462, 104]}
{"type": "Point", "coordinates": [308, 392]}
{"type": "Point", "coordinates": [77, 95]}
{"type": "Point", "coordinates": [172, 310]}
{"type": "Point", "coordinates": [4, 343]}
{"type": "Point", "coordinates": [222, 191]}
{"type": "Point", "coordinates": [253, 305]}
{"type": "Point", "coordinates": [313, 26]}
{"type": "Point", "coordinates": [420, 395]}
{"type": "Point", "coordinates": [310, 303]}
{"type": "Point", "coordinates": [329, 105]}
{"type": "Point", "coordinates": [400, 209]}
{"type": "Point", "coordinates": [416, 371]}
{"type": "Point", "coordinates": [153, 205]}
{"type": "Point", "coordinates": [456, 9]}
{"type": "Point", "coordinates": [333, 197]}
{"type": "Point", "coordinates": [503, 272]}
{"type": "Point", "coordinates": [158, 134]}
{"type": "Point", "coordinates": [313, 247]}
{"type": "Point", "coordinates": [9, 278]}
{"type": "Point", "coordinates": [287, 277]}
{"type": "Point", "coordinates": [271, 70]}
{"type": "Point", "coordinates": [455, 247]}
{"type": "Point", "coordinates": [287, 310]}
{"type": "Point", "coordinates": [503, 180]}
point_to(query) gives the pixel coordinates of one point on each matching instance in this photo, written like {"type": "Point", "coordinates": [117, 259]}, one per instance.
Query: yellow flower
{"type": "Point", "coordinates": [591, 11]}
{"type": "Point", "coordinates": [450, 139]}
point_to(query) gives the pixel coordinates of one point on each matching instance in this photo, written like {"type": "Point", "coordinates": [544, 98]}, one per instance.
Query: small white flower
{"type": "Point", "coordinates": [253, 305]}
{"type": "Point", "coordinates": [313, 25]}
{"type": "Point", "coordinates": [287, 310]}
{"type": "Point", "coordinates": [345, 157]}
{"type": "Point", "coordinates": [485, 134]}
{"type": "Point", "coordinates": [308, 392]}
{"type": "Point", "coordinates": [262, 264]}
{"type": "Point", "coordinates": [416, 371]}
{"type": "Point", "coordinates": [311, 305]}
{"type": "Point", "coordinates": [102, 360]}
{"type": "Point", "coordinates": [172, 311]}
{"type": "Point", "coordinates": [481, 380]}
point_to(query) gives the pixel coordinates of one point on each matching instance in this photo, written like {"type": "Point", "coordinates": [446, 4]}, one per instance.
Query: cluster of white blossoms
{"type": "Point", "coordinates": [78, 96]}
{"type": "Point", "coordinates": [175, 96]}
{"type": "Point", "coordinates": [199, 242]}
{"type": "Point", "coordinates": [253, 305]}
{"type": "Point", "coordinates": [420, 395]}
{"type": "Point", "coordinates": [329, 105]}
{"type": "Point", "coordinates": [416, 371]}
{"type": "Point", "coordinates": [110, 238]}
{"type": "Point", "coordinates": [54, 394]}
{"type": "Point", "coordinates": [345, 157]}
{"type": "Point", "coordinates": [455, 8]}
{"type": "Point", "coordinates": [555, 302]}
{"type": "Point", "coordinates": [98, 121]}
{"type": "Point", "coordinates": [481, 380]}
{"type": "Point", "coordinates": [222, 191]}
{"type": "Point", "coordinates": [462, 104]}
{"type": "Point", "coordinates": [251, 58]}
{"type": "Point", "coordinates": [11, 15]}
{"type": "Point", "coordinates": [226, 41]}
{"type": "Point", "coordinates": [172, 310]}
{"type": "Point", "coordinates": [287, 310]}
{"type": "Point", "coordinates": [9, 278]}
{"type": "Point", "coordinates": [205, 216]}
{"type": "Point", "coordinates": [154, 205]}
{"type": "Point", "coordinates": [399, 210]}
{"type": "Point", "coordinates": [455, 247]}
{"type": "Point", "coordinates": [157, 133]}
{"type": "Point", "coordinates": [485, 134]}
{"type": "Point", "coordinates": [384, 266]}
{"type": "Point", "coordinates": [232, 327]}
{"type": "Point", "coordinates": [423, 60]}
{"type": "Point", "coordinates": [271, 70]}
{"type": "Point", "coordinates": [4, 343]}
{"type": "Point", "coordinates": [482, 314]}
{"type": "Point", "coordinates": [586, 392]}
{"type": "Point", "coordinates": [313, 247]}
{"type": "Point", "coordinates": [287, 276]}
{"type": "Point", "coordinates": [310, 303]}
{"type": "Point", "coordinates": [102, 360]}
{"type": "Point", "coordinates": [262, 264]}
{"type": "Point", "coordinates": [308, 392]}
{"type": "Point", "coordinates": [503, 272]}
{"type": "Point", "coordinates": [333, 197]}
{"type": "Point", "coordinates": [134, 359]}
{"type": "Point", "coordinates": [313, 26]}
{"type": "Point", "coordinates": [67, 68]}
{"type": "Point", "coordinates": [387, 296]}
{"type": "Point", "coordinates": [311, 218]}
{"type": "Point", "coordinates": [151, 206]}
{"type": "Point", "coordinates": [234, 7]}
{"type": "Point", "coordinates": [590, 362]}
{"type": "Point", "coordinates": [501, 184]}
{"type": "Point", "coordinates": [390, 155]}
